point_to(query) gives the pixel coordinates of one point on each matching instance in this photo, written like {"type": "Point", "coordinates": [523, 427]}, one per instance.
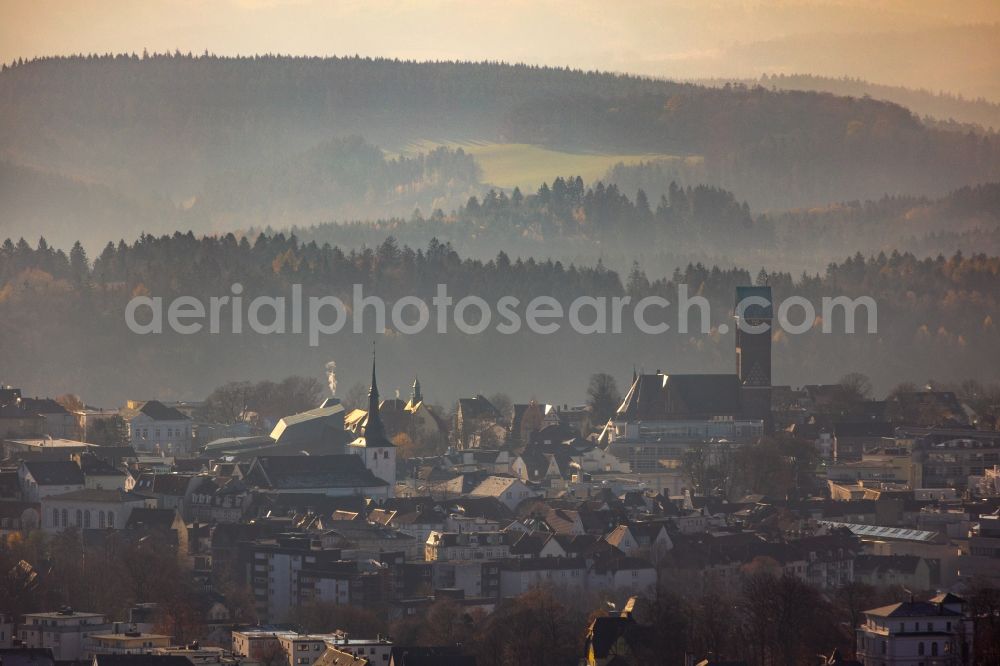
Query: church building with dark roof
{"type": "Point", "coordinates": [664, 415]}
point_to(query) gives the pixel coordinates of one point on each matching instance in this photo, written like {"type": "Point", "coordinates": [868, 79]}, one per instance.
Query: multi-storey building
{"type": "Point", "coordinates": [938, 632]}
{"type": "Point", "coordinates": [65, 632]}
{"type": "Point", "coordinates": [468, 545]}
{"type": "Point", "coordinates": [948, 457]}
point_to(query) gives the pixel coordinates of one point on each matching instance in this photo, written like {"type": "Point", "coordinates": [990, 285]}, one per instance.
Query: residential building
{"type": "Point", "coordinates": [621, 575]}
{"type": "Point", "coordinates": [57, 421]}
{"type": "Point", "coordinates": [508, 490]}
{"type": "Point", "coordinates": [518, 576]}
{"type": "Point", "coordinates": [154, 426]}
{"type": "Point", "coordinates": [39, 479]}
{"type": "Point", "coordinates": [65, 632]}
{"type": "Point", "coordinates": [907, 571]}
{"type": "Point", "coordinates": [950, 456]}
{"type": "Point", "coordinates": [938, 632]}
{"type": "Point", "coordinates": [125, 642]}
{"type": "Point", "coordinates": [473, 417]}
{"type": "Point", "coordinates": [447, 546]}
{"type": "Point", "coordinates": [89, 508]}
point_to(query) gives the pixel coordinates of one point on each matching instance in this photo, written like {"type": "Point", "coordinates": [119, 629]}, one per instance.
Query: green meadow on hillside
{"type": "Point", "coordinates": [528, 166]}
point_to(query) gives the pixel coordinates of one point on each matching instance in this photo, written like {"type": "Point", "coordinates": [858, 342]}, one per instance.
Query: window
{"type": "Point", "coordinates": [111, 519]}
{"type": "Point", "coordinates": [934, 649]}
{"type": "Point", "coordinates": [920, 648]}
{"type": "Point", "coordinates": [65, 517]}
{"type": "Point", "coordinates": [86, 518]}
{"type": "Point", "coordinates": [55, 517]}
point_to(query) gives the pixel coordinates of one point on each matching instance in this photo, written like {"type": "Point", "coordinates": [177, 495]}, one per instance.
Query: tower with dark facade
{"type": "Point", "coordinates": [754, 315]}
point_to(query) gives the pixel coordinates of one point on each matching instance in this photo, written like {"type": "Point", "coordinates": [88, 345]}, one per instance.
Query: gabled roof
{"type": "Point", "coordinates": [55, 473]}
{"type": "Point", "coordinates": [94, 466]}
{"type": "Point", "coordinates": [530, 544]}
{"type": "Point", "coordinates": [321, 423]}
{"type": "Point", "coordinates": [912, 609]}
{"type": "Point", "coordinates": [42, 406]}
{"type": "Point", "coordinates": [478, 408]}
{"type": "Point", "coordinates": [301, 472]}
{"type": "Point", "coordinates": [157, 411]}
{"type": "Point", "coordinates": [947, 598]}
{"type": "Point", "coordinates": [663, 397]}
{"type": "Point", "coordinates": [494, 486]}
{"type": "Point", "coordinates": [605, 632]}
{"type": "Point", "coordinates": [174, 485]}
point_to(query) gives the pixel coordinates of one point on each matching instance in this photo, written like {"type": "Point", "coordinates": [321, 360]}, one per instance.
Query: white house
{"type": "Point", "coordinates": [39, 479]}
{"type": "Point", "coordinates": [596, 459]}
{"type": "Point", "coordinates": [937, 632]}
{"type": "Point", "coordinates": [90, 508]}
{"type": "Point", "coordinates": [520, 576]}
{"type": "Point", "coordinates": [621, 575]}
{"type": "Point", "coordinates": [508, 490]}
{"type": "Point", "coordinates": [64, 632]}
{"type": "Point", "coordinates": [153, 425]}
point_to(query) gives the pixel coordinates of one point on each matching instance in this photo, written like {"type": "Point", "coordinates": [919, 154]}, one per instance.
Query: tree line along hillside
{"type": "Point", "coordinates": [979, 113]}
{"type": "Point", "coordinates": [570, 220]}
{"type": "Point", "coordinates": [170, 124]}
{"type": "Point", "coordinates": [63, 318]}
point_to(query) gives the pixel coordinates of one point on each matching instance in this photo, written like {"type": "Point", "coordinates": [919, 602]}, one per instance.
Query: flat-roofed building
{"type": "Point", "coordinates": [65, 632]}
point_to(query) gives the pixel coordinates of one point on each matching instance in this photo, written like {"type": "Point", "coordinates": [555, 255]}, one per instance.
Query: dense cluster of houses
{"type": "Point", "coordinates": [323, 509]}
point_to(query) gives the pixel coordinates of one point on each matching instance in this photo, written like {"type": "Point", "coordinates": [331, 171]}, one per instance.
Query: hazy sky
{"type": "Point", "coordinates": [669, 37]}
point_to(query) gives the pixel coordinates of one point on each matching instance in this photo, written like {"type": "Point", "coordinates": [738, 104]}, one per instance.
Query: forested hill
{"type": "Point", "coordinates": [174, 126]}
{"type": "Point", "coordinates": [62, 319]}
{"type": "Point", "coordinates": [941, 106]}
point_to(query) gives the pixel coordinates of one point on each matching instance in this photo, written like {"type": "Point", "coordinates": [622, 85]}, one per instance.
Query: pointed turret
{"type": "Point", "coordinates": [374, 428]}
{"type": "Point", "coordinates": [415, 396]}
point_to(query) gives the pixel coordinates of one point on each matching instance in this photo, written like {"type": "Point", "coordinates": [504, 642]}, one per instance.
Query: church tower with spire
{"type": "Point", "coordinates": [374, 447]}
{"type": "Point", "coordinates": [415, 396]}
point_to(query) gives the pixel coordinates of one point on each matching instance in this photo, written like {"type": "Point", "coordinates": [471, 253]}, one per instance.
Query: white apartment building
{"type": "Point", "coordinates": [65, 632]}
{"type": "Point", "coordinates": [917, 633]}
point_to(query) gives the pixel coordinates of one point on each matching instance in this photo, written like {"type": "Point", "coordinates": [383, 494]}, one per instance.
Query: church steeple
{"type": "Point", "coordinates": [374, 428]}
{"type": "Point", "coordinates": [415, 396]}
